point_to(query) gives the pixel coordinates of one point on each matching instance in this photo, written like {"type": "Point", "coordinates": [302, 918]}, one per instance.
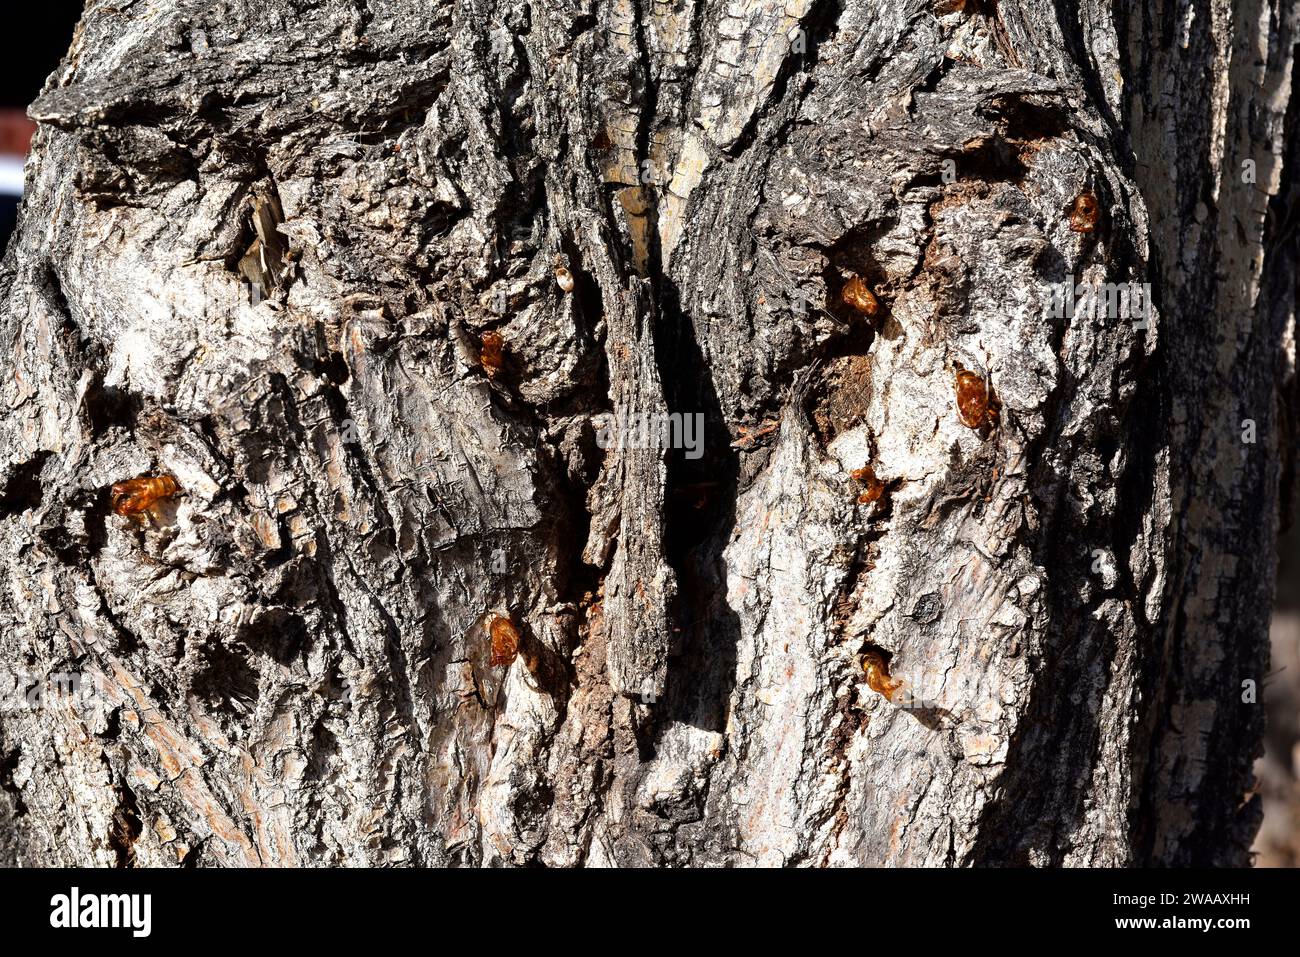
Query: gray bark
{"type": "Point", "coordinates": [261, 245]}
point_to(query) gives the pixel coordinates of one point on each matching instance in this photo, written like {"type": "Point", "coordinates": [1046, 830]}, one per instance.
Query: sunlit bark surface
{"type": "Point", "coordinates": [266, 245]}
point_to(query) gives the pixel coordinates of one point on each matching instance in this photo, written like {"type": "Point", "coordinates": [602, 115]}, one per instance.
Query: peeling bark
{"type": "Point", "coordinates": [263, 245]}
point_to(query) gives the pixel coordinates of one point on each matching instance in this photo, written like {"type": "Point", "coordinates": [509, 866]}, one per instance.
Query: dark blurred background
{"type": "Point", "coordinates": [1278, 843]}
{"type": "Point", "coordinates": [47, 33]}
{"type": "Point", "coordinates": [31, 54]}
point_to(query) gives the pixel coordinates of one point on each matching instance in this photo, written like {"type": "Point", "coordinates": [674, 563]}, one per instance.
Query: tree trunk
{"type": "Point", "coordinates": [268, 248]}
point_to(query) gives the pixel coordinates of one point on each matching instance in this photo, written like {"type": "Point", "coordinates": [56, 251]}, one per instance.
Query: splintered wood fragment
{"type": "Point", "coordinates": [263, 264]}
{"type": "Point", "coordinates": [750, 437]}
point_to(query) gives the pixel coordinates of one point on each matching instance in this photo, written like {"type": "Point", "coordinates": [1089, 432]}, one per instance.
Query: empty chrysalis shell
{"type": "Point", "coordinates": [505, 640]}
{"type": "Point", "coordinates": [873, 488]}
{"type": "Point", "coordinates": [879, 680]}
{"type": "Point", "coordinates": [857, 296]}
{"type": "Point", "coordinates": [139, 494]}
{"type": "Point", "coordinates": [974, 402]}
{"type": "Point", "coordinates": [1084, 213]}
{"type": "Point", "coordinates": [491, 355]}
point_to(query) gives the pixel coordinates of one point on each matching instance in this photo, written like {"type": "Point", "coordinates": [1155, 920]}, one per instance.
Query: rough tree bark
{"type": "Point", "coordinates": [263, 244]}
